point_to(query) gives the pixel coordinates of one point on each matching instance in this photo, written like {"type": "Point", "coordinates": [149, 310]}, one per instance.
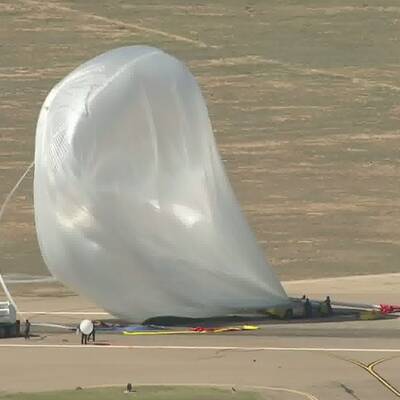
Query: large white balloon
{"type": "Point", "coordinates": [133, 208]}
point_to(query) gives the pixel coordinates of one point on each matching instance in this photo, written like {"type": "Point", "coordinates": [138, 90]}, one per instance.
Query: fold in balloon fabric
{"type": "Point", "coordinates": [133, 208]}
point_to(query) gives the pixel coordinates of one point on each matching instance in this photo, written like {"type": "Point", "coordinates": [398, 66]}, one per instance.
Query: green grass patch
{"type": "Point", "coordinates": [141, 393]}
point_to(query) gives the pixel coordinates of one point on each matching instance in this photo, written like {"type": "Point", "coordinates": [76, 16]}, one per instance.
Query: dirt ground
{"type": "Point", "coordinates": [303, 97]}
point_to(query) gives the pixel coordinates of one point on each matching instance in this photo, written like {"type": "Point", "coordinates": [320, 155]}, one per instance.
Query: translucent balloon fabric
{"type": "Point", "coordinates": [133, 208]}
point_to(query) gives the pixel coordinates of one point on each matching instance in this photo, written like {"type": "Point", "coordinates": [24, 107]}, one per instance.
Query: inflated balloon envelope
{"type": "Point", "coordinates": [133, 208]}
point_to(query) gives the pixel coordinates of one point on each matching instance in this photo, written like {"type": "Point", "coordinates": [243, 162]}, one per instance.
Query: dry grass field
{"type": "Point", "coordinates": [304, 97]}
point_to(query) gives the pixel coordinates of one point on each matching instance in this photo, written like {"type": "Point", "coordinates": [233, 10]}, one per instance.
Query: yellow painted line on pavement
{"type": "Point", "coordinates": [370, 369]}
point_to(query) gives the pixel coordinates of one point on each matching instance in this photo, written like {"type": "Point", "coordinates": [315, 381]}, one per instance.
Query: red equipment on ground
{"type": "Point", "coordinates": [389, 308]}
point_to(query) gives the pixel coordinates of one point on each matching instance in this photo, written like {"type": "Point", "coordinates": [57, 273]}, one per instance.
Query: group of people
{"type": "Point", "coordinates": [86, 338]}
{"type": "Point", "coordinates": [325, 308]}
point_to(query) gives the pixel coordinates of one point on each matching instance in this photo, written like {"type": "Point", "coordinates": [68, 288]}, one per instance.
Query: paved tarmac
{"type": "Point", "coordinates": [341, 359]}
{"type": "Point", "coordinates": [323, 367]}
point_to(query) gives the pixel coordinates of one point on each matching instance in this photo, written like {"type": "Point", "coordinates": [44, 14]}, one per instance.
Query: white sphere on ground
{"type": "Point", "coordinates": [86, 327]}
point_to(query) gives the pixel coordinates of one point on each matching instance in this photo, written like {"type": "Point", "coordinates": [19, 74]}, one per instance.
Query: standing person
{"type": "Point", "coordinates": [92, 334]}
{"type": "Point", "coordinates": [328, 305]}
{"type": "Point", "coordinates": [84, 338]}
{"type": "Point", "coordinates": [27, 331]}
{"type": "Point", "coordinates": [303, 303]}
{"type": "Point", "coordinates": [129, 388]}
{"type": "Point", "coordinates": [308, 308]}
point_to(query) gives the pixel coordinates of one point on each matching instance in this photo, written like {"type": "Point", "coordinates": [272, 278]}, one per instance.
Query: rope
{"type": "Point", "coordinates": [2, 209]}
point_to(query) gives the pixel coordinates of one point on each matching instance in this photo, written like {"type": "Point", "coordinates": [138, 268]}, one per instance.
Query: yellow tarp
{"type": "Point", "coordinates": [193, 331]}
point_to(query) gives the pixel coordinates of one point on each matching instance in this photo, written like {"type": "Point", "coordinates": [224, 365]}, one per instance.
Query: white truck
{"type": "Point", "coordinates": [9, 326]}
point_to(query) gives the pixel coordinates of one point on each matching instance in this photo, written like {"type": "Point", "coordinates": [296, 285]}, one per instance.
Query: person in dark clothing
{"type": "Point", "coordinates": [92, 334]}
{"type": "Point", "coordinates": [129, 388]}
{"type": "Point", "coordinates": [328, 305]}
{"type": "Point", "coordinates": [303, 302]}
{"type": "Point", "coordinates": [308, 308]}
{"type": "Point", "coordinates": [27, 331]}
{"type": "Point", "coordinates": [84, 338]}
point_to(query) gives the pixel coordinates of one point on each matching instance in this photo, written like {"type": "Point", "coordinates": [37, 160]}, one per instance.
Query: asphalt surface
{"type": "Point", "coordinates": [340, 358]}
{"type": "Point", "coordinates": [323, 367]}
